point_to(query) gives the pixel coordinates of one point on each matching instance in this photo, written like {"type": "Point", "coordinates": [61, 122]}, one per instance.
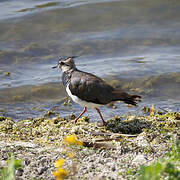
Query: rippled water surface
{"type": "Point", "coordinates": [133, 44]}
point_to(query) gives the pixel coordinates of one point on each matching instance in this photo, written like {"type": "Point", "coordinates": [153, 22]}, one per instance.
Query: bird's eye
{"type": "Point", "coordinates": [62, 63]}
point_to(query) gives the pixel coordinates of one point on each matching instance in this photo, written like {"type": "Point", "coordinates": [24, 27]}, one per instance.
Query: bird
{"type": "Point", "coordinates": [89, 90]}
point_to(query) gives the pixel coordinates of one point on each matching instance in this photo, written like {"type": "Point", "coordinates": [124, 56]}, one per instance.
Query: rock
{"type": "Point", "coordinates": [41, 170]}
{"type": "Point", "coordinates": [2, 163]}
{"type": "Point", "coordinates": [43, 160]}
{"type": "Point", "coordinates": [19, 172]}
{"type": "Point", "coordinates": [141, 141]}
{"type": "Point", "coordinates": [139, 159]}
{"type": "Point", "coordinates": [25, 144]}
{"type": "Point", "coordinates": [27, 162]}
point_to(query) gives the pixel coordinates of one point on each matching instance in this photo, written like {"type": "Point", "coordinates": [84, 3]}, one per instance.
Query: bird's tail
{"type": "Point", "coordinates": [119, 95]}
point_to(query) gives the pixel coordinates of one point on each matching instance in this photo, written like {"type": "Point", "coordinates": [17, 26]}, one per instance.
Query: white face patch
{"type": "Point", "coordinates": [81, 102]}
{"type": "Point", "coordinates": [65, 68]}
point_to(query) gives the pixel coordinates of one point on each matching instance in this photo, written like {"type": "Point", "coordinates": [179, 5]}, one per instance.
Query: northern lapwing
{"type": "Point", "coordinates": [89, 90]}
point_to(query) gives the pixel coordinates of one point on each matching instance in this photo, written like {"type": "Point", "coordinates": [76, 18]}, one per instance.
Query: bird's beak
{"type": "Point", "coordinates": [55, 67]}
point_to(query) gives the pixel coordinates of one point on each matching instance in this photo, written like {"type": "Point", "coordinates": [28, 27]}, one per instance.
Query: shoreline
{"type": "Point", "coordinates": [116, 151]}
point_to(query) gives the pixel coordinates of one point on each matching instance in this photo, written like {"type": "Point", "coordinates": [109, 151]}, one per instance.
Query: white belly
{"type": "Point", "coordinates": [79, 101]}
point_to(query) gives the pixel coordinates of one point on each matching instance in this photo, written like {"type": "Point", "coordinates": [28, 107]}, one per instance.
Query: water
{"type": "Point", "coordinates": [133, 44]}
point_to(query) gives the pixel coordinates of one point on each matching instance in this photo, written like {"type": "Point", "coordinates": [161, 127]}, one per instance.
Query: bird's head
{"type": "Point", "coordinates": [66, 64]}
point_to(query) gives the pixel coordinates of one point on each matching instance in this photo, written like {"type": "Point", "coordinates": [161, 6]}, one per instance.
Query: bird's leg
{"type": "Point", "coordinates": [99, 112]}
{"type": "Point", "coordinates": [84, 110]}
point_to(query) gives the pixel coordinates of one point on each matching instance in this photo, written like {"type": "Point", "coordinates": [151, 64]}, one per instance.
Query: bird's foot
{"type": "Point", "coordinates": [102, 124]}
{"type": "Point", "coordinates": [73, 121]}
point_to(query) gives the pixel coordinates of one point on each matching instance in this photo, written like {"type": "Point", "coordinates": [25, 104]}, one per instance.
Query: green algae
{"type": "Point", "coordinates": [155, 130]}
{"type": "Point", "coordinates": [7, 73]}
{"type": "Point", "coordinates": [49, 4]}
{"type": "Point", "coordinates": [30, 93]}
{"type": "Point", "coordinates": [2, 118]}
{"type": "Point", "coordinates": [44, 129]}
{"type": "Point", "coordinates": [151, 85]}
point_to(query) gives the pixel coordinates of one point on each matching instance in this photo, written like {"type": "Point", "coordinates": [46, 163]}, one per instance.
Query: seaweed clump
{"type": "Point", "coordinates": [132, 125]}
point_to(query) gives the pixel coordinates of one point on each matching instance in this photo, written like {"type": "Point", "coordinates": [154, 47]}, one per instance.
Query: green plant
{"type": "Point", "coordinates": [8, 173]}
{"type": "Point", "coordinates": [151, 172]}
{"type": "Point", "coordinates": [166, 167]}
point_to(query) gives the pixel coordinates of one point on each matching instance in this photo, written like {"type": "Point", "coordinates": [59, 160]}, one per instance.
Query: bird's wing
{"type": "Point", "coordinates": [90, 88]}
{"type": "Point", "coordinates": [119, 95]}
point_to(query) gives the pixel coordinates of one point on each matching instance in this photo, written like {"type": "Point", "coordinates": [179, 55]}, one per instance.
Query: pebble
{"type": "Point", "coordinates": [27, 162]}
{"type": "Point", "coordinates": [141, 141]}
{"type": "Point", "coordinates": [19, 172]}
{"type": "Point", "coordinates": [41, 170]}
{"type": "Point", "coordinates": [139, 159]}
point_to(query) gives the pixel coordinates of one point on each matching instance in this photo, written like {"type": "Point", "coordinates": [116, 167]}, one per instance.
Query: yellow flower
{"type": "Point", "coordinates": [152, 110]}
{"type": "Point", "coordinates": [70, 155]}
{"type": "Point", "coordinates": [71, 139]}
{"type": "Point", "coordinates": [60, 173]}
{"type": "Point", "coordinates": [59, 162]}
